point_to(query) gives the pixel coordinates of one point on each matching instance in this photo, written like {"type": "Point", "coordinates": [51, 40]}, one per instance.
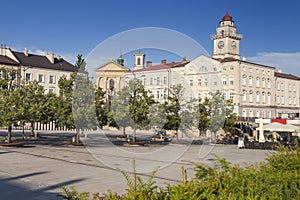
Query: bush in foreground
{"type": "Point", "coordinates": [278, 178]}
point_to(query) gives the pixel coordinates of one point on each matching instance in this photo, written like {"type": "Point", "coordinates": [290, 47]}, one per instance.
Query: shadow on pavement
{"type": "Point", "coordinates": [13, 188]}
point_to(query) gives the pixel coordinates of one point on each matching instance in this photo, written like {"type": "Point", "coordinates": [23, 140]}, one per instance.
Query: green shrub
{"type": "Point", "coordinates": [277, 178]}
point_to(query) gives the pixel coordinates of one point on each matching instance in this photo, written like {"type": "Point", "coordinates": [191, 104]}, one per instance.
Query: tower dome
{"type": "Point", "coordinates": [226, 17]}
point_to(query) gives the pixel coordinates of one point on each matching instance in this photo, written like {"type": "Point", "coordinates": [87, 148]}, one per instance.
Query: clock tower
{"type": "Point", "coordinates": [226, 41]}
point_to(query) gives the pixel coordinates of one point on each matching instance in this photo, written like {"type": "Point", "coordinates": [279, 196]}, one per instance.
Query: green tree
{"type": "Point", "coordinates": [120, 109]}
{"type": "Point", "coordinates": [131, 106]}
{"type": "Point", "coordinates": [10, 99]}
{"type": "Point", "coordinates": [83, 107]}
{"type": "Point", "coordinates": [173, 107]}
{"type": "Point", "coordinates": [80, 63]}
{"type": "Point", "coordinates": [64, 116]}
{"type": "Point", "coordinates": [230, 117]}
{"type": "Point", "coordinates": [218, 108]}
{"type": "Point", "coordinates": [101, 107]}
{"type": "Point", "coordinates": [139, 105]}
{"type": "Point", "coordinates": [33, 100]}
{"type": "Point", "coordinates": [203, 115]}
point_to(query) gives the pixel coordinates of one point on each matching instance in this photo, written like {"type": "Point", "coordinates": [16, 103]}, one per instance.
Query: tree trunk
{"type": "Point", "coordinates": [134, 135]}
{"type": "Point", "coordinates": [23, 131]}
{"type": "Point", "coordinates": [9, 134]}
{"type": "Point", "coordinates": [32, 129]}
{"type": "Point", "coordinates": [77, 138]}
{"type": "Point", "coordinates": [124, 131]}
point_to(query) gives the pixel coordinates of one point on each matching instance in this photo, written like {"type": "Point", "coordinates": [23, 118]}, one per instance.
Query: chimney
{"type": "Point", "coordinates": [26, 52]}
{"type": "Point", "coordinates": [244, 58]}
{"type": "Point", "coordinates": [163, 62]}
{"type": "Point", "coordinates": [58, 57]}
{"type": "Point", "coordinates": [149, 63]}
{"type": "Point", "coordinates": [279, 70]}
{"type": "Point", "coordinates": [50, 57]}
{"type": "Point", "coordinates": [184, 59]}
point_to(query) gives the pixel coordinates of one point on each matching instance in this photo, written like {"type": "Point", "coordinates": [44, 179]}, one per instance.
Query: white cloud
{"type": "Point", "coordinates": [288, 62]}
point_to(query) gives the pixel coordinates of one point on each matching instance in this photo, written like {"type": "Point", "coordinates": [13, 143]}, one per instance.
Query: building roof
{"type": "Point", "coordinates": [43, 62]}
{"type": "Point", "coordinates": [242, 61]}
{"type": "Point", "coordinates": [8, 61]}
{"type": "Point", "coordinates": [162, 66]}
{"type": "Point", "coordinates": [287, 76]}
{"type": "Point", "coordinates": [226, 17]}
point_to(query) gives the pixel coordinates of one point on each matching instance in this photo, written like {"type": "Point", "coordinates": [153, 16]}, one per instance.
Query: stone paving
{"type": "Point", "coordinates": [37, 170]}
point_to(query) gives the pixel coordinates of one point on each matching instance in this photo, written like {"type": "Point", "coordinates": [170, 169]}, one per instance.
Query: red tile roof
{"type": "Point", "coordinates": [8, 61]}
{"type": "Point", "coordinates": [287, 76]}
{"type": "Point", "coordinates": [227, 17]}
{"type": "Point", "coordinates": [162, 66]}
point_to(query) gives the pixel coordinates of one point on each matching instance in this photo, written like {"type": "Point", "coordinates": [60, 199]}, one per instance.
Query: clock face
{"type": "Point", "coordinates": [233, 44]}
{"type": "Point", "coordinates": [220, 44]}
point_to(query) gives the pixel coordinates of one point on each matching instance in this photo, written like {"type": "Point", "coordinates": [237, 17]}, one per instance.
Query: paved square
{"type": "Point", "coordinates": [38, 169]}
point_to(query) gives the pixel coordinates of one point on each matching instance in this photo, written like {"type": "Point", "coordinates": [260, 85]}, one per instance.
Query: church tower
{"type": "Point", "coordinates": [226, 41]}
{"type": "Point", "coordinates": [139, 61]}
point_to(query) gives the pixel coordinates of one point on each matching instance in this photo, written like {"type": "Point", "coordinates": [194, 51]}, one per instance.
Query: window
{"type": "Point", "coordinates": [282, 86]}
{"type": "Point", "coordinates": [250, 69]}
{"type": "Point", "coordinates": [278, 86]}
{"type": "Point", "coordinates": [244, 114]}
{"type": "Point", "coordinates": [269, 98]}
{"type": "Point", "coordinates": [224, 68]}
{"type": "Point", "coordinates": [191, 82]}
{"type": "Point", "coordinates": [205, 81]}
{"type": "Point", "coordinates": [41, 78]}
{"type": "Point", "coordinates": [199, 81]}
{"type": "Point", "coordinates": [165, 80]}
{"type": "Point", "coordinates": [244, 80]}
{"type": "Point", "coordinates": [269, 83]}
{"type": "Point", "coordinates": [268, 73]}
{"type": "Point", "coordinates": [174, 82]}
{"type": "Point", "coordinates": [145, 81]}
{"type": "Point", "coordinates": [231, 68]}
{"type": "Point", "coordinates": [157, 94]}
{"type": "Point", "coordinates": [257, 81]}
{"type": "Point", "coordinates": [224, 81]}
{"type": "Point", "coordinates": [199, 95]}
{"type": "Point", "coordinates": [158, 81]}
{"type": "Point", "coordinates": [250, 96]}
{"type": "Point", "coordinates": [294, 101]}
{"type": "Point", "coordinates": [231, 96]}
{"type": "Point", "coordinates": [250, 113]}
{"type": "Point", "coordinates": [250, 81]}
{"type": "Point", "coordinates": [215, 69]}
{"type": "Point", "coordinates": [244, 68]}
{"type": "Point", "coordinates": [257, 97]}
{"type": "Point", "coordinates": [244, 97]}
{"type": "Point", "coordinates": [264, 97]}
{"type": "Point", "coordinates": [257, 71]}
{"type": "Point", "coordinates": [231, 81]}
{"type": "Point", "coordinates": [28, 77]}
{"type": "Point", "coordinates": [290, 100]}
{"type": "Point", "coordinates": [51, 90]}
{"type": "Point", "coordinates": [215, 82]}
{"type": "Point", "coordinates": [263, 71]}
{"type": "Point", "coordinates": [278, 99]}
{"type": "Point", "coordinates": [165, 94]}
{"type": "Point", "coordinates": [257, 114]}
{"type": "Point", "coordinates": [51, 79]}
{"type": "Point", "coordinates": [282, 99]}
{"type": "Point", "coordinates": [263, 82]}
{"type": "Point", "coordinates": [151, 81]}
{"type": "Point", "coordinates": [138, 61]}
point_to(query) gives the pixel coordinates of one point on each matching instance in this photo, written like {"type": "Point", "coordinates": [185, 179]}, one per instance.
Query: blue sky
{"type": "Point", "coordinates": [270, 28]}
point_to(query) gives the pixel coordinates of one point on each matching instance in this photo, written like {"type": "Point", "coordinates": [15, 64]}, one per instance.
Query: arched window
{"type": "Point", "coordinates": [138, 62]}
{"type": "Point", "coordinates": [111, 84]}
